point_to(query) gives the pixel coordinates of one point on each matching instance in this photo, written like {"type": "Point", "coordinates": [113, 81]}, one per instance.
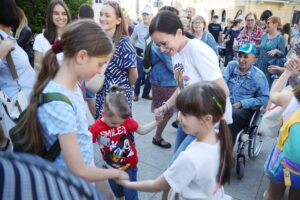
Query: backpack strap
{"type": "Point", "coordinates": [54, 150]}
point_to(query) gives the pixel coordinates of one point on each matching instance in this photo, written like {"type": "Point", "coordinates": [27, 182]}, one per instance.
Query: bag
{"type": "Point", "coordinates": [12, 108]}
{"type": "Point", "coordinates": [17, 134]}
{"type": "Point", "coordinates": [96, 83]}
{"type": "Point", "coordinates": [270, 122]}
{"type": "Point", "coordinates": [283, 163]}
{"type": "Point", "coordinates": [277, 61]}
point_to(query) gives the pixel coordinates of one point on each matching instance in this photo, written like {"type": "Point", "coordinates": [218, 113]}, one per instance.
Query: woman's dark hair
{"type": "Point", "coordinates": [286, 29]}
{"type": "Point", "coordinates": [86, 11]}
{"type": "Point", "coordinates": [170, 8]}
{"type": "Point", "coordinates": [207, 98]}
{"type": "Point", "coordinates": [165, 22]}
{"type": "Point", "coordinates": [236, 22]}
{"type": "Point", "coordinates": [80, 35]}
{"type": "Point", "coordinates": [51, 29]}
{"type": "Point", "coordinates": [121, 29]}
{"type": "Point", "coordinates": [116, 103]}
{"type": "Point", "coordinates": [9, 13]}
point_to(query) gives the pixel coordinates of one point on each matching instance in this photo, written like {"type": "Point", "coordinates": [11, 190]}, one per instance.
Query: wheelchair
{"type": "Point", "coordinates": [250, 138]}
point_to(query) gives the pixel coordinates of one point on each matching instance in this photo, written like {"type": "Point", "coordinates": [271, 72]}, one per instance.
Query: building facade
{"type": "Point", "coordinates": [287, 10]}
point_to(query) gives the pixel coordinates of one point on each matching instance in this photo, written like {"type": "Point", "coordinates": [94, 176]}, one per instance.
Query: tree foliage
{"type": "Point", "coordinates": [35, 11]}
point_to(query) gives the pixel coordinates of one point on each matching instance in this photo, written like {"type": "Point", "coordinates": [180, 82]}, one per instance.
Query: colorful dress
{"type": "Point", "coordinates": [117, 72]}
{"type": "Point", "coordinates": [263, 58]}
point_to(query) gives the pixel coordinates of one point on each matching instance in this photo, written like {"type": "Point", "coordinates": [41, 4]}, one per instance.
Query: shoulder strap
{"type": "Point", "coordinates": [53, 96]}
{"type": "Point", "coordinates": [54, 150]}
{"type": "Point", "coordinates": [11, 64]}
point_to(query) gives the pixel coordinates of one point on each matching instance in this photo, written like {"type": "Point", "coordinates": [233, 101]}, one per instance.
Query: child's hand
{"type": "Point", "coordinates": [122, 182]}
{"type": "Point", "coordinates": [160, 112]}
{"type": "Point", "coordinates": [123, 175]}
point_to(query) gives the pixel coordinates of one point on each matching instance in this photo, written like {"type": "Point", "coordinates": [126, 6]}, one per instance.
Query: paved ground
{"type": "Point", "coordinates": [154, 160]}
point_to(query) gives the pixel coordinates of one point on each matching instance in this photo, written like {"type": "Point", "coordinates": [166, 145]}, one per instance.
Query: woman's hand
{"type": "Point", "coordinates": [273, 52]}
{"type": "Point", "coordinates": [293, 66]}
{"type": "Point", "coordinates": [6, 46]}
{"type": "Point", "coordinates": [275, 69]}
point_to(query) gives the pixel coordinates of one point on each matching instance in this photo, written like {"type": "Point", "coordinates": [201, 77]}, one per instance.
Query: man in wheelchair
{"type": "Point", "coordinates": [248, 87]}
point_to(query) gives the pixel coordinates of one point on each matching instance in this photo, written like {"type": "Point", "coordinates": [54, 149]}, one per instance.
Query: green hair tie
{"type": "Point", "coordinates": [218, 104]}
{"type": "Point", "coordinates": [117, 92]}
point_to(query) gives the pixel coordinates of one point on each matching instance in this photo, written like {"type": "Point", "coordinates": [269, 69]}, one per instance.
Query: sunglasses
{"type": "Point", "coordinates": [111, 3]}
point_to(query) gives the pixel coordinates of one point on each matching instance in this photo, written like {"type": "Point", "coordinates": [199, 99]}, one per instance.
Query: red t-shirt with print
{"type": "Point", "coordinates": [115, 143]}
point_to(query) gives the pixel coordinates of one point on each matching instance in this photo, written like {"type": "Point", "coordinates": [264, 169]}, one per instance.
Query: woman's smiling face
{"type": "Point", "coordinates": [167, 43]}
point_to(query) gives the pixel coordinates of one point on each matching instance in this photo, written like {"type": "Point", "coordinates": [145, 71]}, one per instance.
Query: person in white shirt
{"type": "Point", "coordinates": [200, 171]}
{"type": "Point", "coordinates": [193, 61]}
{"type": "Point", "coordinates": [57, 17]}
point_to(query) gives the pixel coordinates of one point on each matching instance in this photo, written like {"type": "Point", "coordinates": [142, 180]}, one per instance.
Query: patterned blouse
{"type": "Point", "coordinates": [254, 36]}
{"type": "Point", "coordinates": [117, 72]}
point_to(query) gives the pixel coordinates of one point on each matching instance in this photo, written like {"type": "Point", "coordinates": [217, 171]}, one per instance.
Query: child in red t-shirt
{"type": "Point", "coordinates": [111, 132]}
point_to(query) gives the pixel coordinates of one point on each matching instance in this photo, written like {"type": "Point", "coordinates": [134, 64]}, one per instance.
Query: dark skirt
{"type": "Point", "coordinates": [161, 94]}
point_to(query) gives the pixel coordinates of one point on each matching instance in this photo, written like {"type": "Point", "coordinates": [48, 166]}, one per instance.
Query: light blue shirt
{"type": "Point", "coordinates": [251, 89]}
{"type": "Point", "coordinates": [58, 118]}
{"type": "Point", "coordinates": [139, 33]}
{"type": "Point", "coordinates": [27, 76]}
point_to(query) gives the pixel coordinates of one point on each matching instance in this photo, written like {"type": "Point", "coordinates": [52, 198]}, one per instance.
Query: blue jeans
{"type": "Point", "coordinates": [182, 141]}
{"type": "Point", "coordinates": [142, 77]}
{"type": "Point", "coordinates": [119, 191]}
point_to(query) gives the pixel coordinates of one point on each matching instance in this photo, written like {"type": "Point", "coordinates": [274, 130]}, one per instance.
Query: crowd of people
{"type": "Point", "coordinates": [175, 58]}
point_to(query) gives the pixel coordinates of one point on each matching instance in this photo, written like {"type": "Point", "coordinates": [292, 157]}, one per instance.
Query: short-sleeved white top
{"type": "Point", "coordinates": [195, 62]}
{"type": "Point", "coordinates": [193, 175]}
{"type": "Point", "coordinates": [41, 44]}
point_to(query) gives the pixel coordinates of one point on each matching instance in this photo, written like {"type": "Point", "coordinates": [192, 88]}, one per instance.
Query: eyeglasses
{"type": "Point", "coordinates": [250, 20]}
{"type": "Point", "coordinates": [161, 44]}
{"type": "Point", "coordinates": [269, 23]}
{"type": "Point", "coordinates": [197, 23]}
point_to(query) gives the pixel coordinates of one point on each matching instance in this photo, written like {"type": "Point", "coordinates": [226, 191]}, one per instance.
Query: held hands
{"type": "Point", "coordinates": [160, 112]}
{"type": "Point", "coordinates": [293, 66]}
{"type": "Point", "coordinates": [6, 46]}
{"type": "Point", "coordinates": [273, 52]}
{"type": "Point", "coordinates": [123, 178]}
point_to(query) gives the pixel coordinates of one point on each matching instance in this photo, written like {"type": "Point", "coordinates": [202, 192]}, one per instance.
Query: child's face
{"type": "Point", "coordinates": [192, 124]}
{"type": "Point", "coordinates": [92, 66]}
{"type": "Point", "coordinates": [112, 121]}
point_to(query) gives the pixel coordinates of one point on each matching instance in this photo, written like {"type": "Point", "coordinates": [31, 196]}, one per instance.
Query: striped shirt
{"type": "Point", "coordinates": [25, 176]}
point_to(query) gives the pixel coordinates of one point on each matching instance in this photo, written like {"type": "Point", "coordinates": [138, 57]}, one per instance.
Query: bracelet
{"type": "Point", "coordinates": [167, 104]}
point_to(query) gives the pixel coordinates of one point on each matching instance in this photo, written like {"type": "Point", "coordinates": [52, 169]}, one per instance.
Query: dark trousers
{"type": "Point", "coordinates": [142, 77]}
{"type": "Point", "coordinates": [241, 119]}
{"type": "Point", "coordinates": [120, 191]}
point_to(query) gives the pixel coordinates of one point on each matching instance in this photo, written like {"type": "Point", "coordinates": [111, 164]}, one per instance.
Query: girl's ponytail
{"type": "Point", "coordinates": [226, 160]}
{"type": "Point", "coordinates": [33, 140]}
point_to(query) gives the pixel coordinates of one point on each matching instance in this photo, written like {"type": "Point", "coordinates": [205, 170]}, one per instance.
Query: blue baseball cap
{"type": "Point", "coordinates": [247, 48]}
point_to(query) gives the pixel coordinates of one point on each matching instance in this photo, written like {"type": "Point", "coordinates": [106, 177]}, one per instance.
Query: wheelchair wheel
{"type": "Point", "coordinates": [240, 169]}
{"type": "Point", "coordinates": [256, 139]}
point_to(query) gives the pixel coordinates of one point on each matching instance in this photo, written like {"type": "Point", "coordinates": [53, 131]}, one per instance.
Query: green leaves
{"type": "Point", "coordinates": [36, 11]}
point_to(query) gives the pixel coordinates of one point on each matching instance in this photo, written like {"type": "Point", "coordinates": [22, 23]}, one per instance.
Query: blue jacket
{"type": "Point", "coordinates": [161, 73]}
{"type": "Point", "coordinates": [251, 89]}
